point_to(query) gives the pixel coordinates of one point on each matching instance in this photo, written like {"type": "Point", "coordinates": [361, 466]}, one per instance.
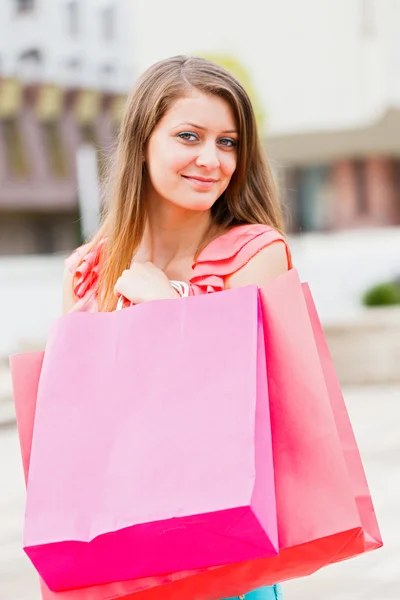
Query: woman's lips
{"type": "Point", "coordinates": [201, 183]}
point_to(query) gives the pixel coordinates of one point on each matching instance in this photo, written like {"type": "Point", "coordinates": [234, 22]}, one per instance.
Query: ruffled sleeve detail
{"type": "Point", "coordinates": [84, 266]}
{"type": "Point", "coordinates": [229, 253]}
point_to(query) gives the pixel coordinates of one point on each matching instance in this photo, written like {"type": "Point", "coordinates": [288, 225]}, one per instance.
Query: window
{"type": "Point", "coordinates": [74, 65]}
{"type": "Point", "coordinates": [29, 65]}
{"type": "Point", "coordinates": [33, 55]}
{"type": "Point", "coordinates": [107, 71]}
{"type": "Point", "coordinates": [16, 157]}
{"type": "Point", "coordinates": [397, 182]}
{"type": "Point", "coordinates": [72, 73]}
{"type": "Point", "coordinates": [24, 5]}
{"type": "Point", "coordinates": [88, 136]}
{"type": "Point", "coordinates": [108, 24]}
{"type": "Point", "coordinates": [54, 232]}
{"type": "Point", "coordinates": [54, 148]}
{"type": "Point", "coordinates": [308, 197]}
{"type": "Point", "coordinates": [72, 18]}
{"type": "Point", "coordinates": [314, 197]}
{"type": "Point", "coordinates": [106, 76]}
{"type": "Point", "coordinates": [361, 186]}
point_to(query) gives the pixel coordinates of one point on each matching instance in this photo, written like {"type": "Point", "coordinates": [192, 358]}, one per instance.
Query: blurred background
{"type": "Point", "coordinates": [324, 76]}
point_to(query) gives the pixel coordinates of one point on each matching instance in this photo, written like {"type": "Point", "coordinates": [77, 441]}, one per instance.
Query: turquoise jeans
{"type": "Point", "coordinates": [273, 592]}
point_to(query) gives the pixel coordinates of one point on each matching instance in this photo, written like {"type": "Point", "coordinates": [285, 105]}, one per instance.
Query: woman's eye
{"type": "Point", "coordinates": [227, 142]}
{"type": "Point", "coordinates": [187, 136]}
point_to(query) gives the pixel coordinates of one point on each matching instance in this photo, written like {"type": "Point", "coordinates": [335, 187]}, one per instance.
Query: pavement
{"type": "Point", "coordinates": [375, 414]}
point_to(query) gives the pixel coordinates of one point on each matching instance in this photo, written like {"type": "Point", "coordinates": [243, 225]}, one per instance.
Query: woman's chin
{"type": "Point", "coordinates": [201, 203]}
{"type": "Point", "coordinates": [195, 202]}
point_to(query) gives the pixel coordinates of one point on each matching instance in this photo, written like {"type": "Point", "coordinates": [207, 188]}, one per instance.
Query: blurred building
{"type": "Point", "coordinates": [324, 76]}
{"type": "Point", "coordinates": [339, 168]}
{"type": "Point", "coordinates": [64, 72]}
{"type": "Point", "coordinates": [344, 171]}
{"type": "Point", "coordinates": [327, 77]}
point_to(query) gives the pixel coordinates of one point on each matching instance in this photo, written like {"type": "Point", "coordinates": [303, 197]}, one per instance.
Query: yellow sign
{"type": "Point", "coordinates": [49, 103]}
{"type": "Point", "coordinates": [238, 70]}
{"type": "Point", "coordinates": [10, 98]}
{"type": "Point", "coordinates": [117, 109]}
{"type": "Point", "coordinates": [87, 106]}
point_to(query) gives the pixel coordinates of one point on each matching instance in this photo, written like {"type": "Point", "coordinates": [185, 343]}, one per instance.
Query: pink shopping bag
{"type": "Point", "coordinates": [151, 449]}
{"type": "Point", "coordinates": [289, 309]}
{"type": "Point", "coordinates": [25, 370]}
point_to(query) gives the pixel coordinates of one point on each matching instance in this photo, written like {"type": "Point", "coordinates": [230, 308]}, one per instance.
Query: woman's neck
{"type": "Point", "coordinates": [172, 235]}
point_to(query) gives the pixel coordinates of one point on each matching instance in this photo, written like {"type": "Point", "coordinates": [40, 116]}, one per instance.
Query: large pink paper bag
{"type": "Point", "coordinates": [151, 450]}
{"type": "Point", "coordinates": [25, 371]}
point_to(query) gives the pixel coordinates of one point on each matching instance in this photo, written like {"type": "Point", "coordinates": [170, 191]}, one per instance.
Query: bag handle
{"type": "Point", "coordinates": [180, 286]}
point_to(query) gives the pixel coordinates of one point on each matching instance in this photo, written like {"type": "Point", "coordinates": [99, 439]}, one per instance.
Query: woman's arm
{"type": "Point", "coordinates": [266, 265]}
{"type": "Point", "coordinates": [68, 299]}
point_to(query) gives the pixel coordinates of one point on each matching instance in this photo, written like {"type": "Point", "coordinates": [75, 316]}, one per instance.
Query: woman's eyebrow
{"type": "Point", "coordinates": [204, 128]}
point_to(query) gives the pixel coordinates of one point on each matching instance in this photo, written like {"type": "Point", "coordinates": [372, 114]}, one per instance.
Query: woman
{"type": "Point", "coordinates": [193, 200]}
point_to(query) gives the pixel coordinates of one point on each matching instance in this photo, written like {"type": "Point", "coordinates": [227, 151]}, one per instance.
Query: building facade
{"type": "Point", "coordinates": [65, 70]}
{"type": "Point", "coordinates": [324, 75]}
{"type": "Point", "coordinates": [327, 77]}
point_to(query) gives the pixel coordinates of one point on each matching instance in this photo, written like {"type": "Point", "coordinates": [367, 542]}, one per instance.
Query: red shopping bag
{"type": "Point", "coordinates": [208, 403]}
{"type": "Point", "coordinates": [370, 533]}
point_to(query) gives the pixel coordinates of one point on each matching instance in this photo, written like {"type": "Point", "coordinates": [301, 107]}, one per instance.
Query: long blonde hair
{"type": "Point", "coordinates": [250, 197]}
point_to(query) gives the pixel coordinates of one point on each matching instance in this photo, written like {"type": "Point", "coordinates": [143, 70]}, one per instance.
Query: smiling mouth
{"type": "Point", "coordinates": [201, 184]}
{"type": "Point", "coordinates": [200, 179]}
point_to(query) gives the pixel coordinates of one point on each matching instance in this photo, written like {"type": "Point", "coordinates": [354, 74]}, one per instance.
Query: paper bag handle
{"type": "Point", "coordinates": [180, 286]}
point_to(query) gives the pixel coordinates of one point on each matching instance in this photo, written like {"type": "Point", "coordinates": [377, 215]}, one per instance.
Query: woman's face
{"type": "Point", "coordinates": [192, 153]}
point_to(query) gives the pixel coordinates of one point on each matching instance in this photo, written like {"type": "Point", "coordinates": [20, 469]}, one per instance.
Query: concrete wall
{"type": "Point", "coordinates": [367, 351]}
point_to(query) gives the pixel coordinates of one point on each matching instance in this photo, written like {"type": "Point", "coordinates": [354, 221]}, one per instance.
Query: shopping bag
{"type": "Point", "coordinates": [325, 511]}
{"type": "Point", "coordinates": [286, 306]}
{"type": "Point", "coordinates": [25, 371]}
{"type": "Point", "coordinates": [151, 450]}
{"type": "Point", "coordinates": [370, 534]}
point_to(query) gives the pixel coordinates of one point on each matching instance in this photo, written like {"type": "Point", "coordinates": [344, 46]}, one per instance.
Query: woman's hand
{"type": "Point", "coordinates": [144, 282]}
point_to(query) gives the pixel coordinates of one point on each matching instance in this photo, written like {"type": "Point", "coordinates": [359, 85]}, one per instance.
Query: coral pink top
{"type": "Point", "coordinates": [222, 257]}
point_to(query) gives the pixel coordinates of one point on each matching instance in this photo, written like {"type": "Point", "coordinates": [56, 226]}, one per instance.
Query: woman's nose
{"type": "Point", "coordinates": [208, 157]}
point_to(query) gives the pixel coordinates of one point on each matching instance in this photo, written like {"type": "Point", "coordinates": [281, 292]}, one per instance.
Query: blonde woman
{"type": "Point", "coordinates": [192, 200]}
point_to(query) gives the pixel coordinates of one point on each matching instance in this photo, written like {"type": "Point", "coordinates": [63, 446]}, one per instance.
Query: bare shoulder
{"type": "Point", "coordinates": [267, 264]}
{"type": "Point", "coordinates": [68, 298]}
